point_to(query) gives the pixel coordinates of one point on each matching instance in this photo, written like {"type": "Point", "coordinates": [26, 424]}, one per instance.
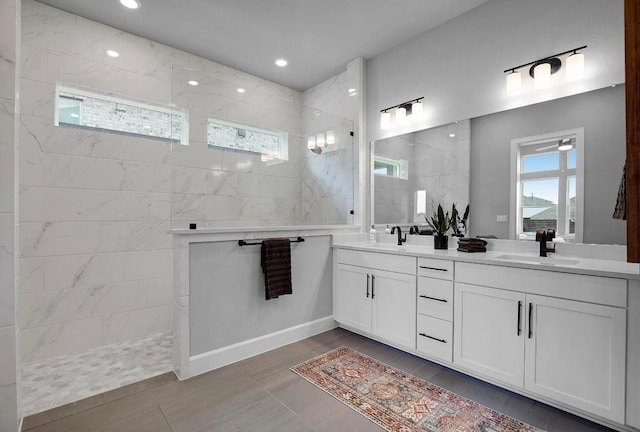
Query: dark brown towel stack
{"type": "Point", "coordinates": [276, 266]}
{"type": "Point", "coordinates": [467, 244]}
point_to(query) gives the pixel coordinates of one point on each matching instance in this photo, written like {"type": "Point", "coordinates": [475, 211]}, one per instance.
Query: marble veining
{"type": "Point", "coordinates": [60, 380]}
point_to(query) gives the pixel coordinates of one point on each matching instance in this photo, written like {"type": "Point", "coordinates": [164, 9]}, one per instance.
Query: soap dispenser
{"type": "Point", "coordinates": [372, 235]}
{"type": "Point", "coordinates": [387, 230]}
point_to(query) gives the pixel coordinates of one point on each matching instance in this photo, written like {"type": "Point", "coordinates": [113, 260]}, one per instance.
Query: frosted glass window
{"type": "Point", "coordinates": [105, 112]}
{"type": "Point", "coordinates": [233, 136]}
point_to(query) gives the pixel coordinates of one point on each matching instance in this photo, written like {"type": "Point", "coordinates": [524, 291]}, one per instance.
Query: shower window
{"type": "Point", "coordinates": [87, 109]}
{"type": "Point", "coordinates": [238, 137]}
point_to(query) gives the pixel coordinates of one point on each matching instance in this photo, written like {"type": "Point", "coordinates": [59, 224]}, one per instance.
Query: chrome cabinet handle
{"type": "Point", "coordinates": [433, 298]}
{"type": "Point", "coordinates": [433, 268]}
{"type": "Point", "coordinates": [434, 338]}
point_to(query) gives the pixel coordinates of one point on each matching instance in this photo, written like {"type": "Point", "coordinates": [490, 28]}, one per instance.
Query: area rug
{"type": "Point", "coordinates": [398, 401]}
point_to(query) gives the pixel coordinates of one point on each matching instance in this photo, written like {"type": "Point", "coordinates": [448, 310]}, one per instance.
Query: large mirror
{"type": "Point", "coordinates": [445, 169]}
{"type": "Point", "coordinates": [413, 173]}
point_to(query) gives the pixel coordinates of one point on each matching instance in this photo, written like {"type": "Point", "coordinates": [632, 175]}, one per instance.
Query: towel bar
{"type": "Point", "coordinates": [244, 243]}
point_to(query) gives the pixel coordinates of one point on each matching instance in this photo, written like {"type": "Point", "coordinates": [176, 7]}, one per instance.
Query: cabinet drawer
{"type": "Point", "coordinates": [592, 289]}
{"type": "Point", "coordinates": [435, 298]}
{"type": "Point", "coordinates": [380, 261]}
{"type": "Point", "coordinates": [441, 269]}
{"type": "Point", "coordinates": [435, 337]}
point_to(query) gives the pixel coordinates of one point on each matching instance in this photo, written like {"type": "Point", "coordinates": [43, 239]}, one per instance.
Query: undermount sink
{"type": "Point", "coordinates": [538, 259]}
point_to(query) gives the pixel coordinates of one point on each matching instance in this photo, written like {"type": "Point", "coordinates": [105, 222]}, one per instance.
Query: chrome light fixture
{"type": "Point", "coordinates": [404, 113]}
{"type": "Point", "coordinates": [542, 69]}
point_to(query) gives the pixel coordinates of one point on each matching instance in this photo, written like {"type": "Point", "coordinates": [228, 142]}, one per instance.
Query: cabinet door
{"type": "Point", "coordinates": [488, 335]}
{"type": "Point", "coordinates": [353, 297]}
{"type": "Point", "coordinates": [575, 353]}
{"type": "Point", "coordinates": [394, 307]}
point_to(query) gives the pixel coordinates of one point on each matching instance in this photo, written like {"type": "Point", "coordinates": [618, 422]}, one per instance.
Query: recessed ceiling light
{"type": "Point", "coordinates": [281, 62]}
{"type": "Point", "coordinates": [193, 82]}
{"type": "Point", "coordinates": [241, 90]}
{"type": "Point", "coordinates": [112, 53]}
{"type": "Point", "coordinates": [452, 135]}
{"type": "Point", "coordinates": [351, 90]}
{"type": "Point", "coordinates": [131, 4]}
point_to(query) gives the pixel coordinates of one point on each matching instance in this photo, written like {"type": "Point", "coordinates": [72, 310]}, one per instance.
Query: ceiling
{"type": "Point", "coordinates": [317, 37]}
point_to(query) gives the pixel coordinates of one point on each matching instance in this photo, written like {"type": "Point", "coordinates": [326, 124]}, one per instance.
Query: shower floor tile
{"type": "Point", "coordinates": [60, 380]}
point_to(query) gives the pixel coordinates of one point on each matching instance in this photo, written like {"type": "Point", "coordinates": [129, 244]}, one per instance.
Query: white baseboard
{"type": "Point", "coordinates": [211, 360]}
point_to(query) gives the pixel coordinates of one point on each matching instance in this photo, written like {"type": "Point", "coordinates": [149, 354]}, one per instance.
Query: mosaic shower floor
{"type": "Point", "coordinates": [61, 380]}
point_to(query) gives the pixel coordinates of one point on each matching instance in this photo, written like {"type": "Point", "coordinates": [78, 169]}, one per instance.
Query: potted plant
{"type": "Point", "coordinates": [440, 223]}
{"type": "Point", "coordinates": [457, 221]}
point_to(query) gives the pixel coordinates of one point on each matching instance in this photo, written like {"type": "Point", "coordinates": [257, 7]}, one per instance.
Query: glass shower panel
{"type": "Point", "coordinates": [247, 162]}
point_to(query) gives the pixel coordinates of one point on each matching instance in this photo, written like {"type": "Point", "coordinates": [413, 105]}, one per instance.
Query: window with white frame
{"type": "Point", "coordinates": [90, 109]}
{"type": "Point", "coordinates": [547, 184]}
{"type": "Point", "coordinates": [238, 137]}
{"type": "Point", "coordinates": [390, 167]}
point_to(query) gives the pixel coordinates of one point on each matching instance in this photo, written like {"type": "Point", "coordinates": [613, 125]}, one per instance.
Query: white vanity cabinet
{"type": "Point", "coordinates": [376, 294]}
{"type": "Point", "coordinates": [557, 335]}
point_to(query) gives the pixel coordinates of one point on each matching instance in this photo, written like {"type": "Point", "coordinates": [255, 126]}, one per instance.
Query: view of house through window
{"type": "Point", "coordinates": [105, 112]}
{"type": "Point", "coordinates": [233, 136]}
{"type": "Point", "coordinates": [547, 185]}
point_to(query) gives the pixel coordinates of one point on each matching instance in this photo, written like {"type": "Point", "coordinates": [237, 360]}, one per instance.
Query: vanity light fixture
{"type": "Point", "coordinates": [320, 140]}
{"type": "Point", "coordinates": [542, 69]}
{"type": "Point", "coordinates": [404, 112]}
{"type": "Point", "coordinates": [311, 142]}
{"type": "Point", "coordinates": [330, 137]}
{"type": "Point", "coordinates": [131, 4]}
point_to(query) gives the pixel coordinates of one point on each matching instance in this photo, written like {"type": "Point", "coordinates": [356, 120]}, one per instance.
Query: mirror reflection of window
{"type": "Point", "coordinates": [547, 184]}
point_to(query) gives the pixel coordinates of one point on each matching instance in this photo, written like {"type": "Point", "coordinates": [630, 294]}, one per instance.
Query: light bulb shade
{"type": "Point", "coordinates": [542, 76]}
{"type": "Point", "coordinates": [330, 137]}
{"type": "Point", "coordinates": [401, 115]}
{"type": "Point", "coordinates": [311, 142]}
{"type": "Point", "coordinates": [320, 141]}
{"type": "Point", "coordinates": [514, 84]}
{"type": "Point", "coordinates": [417, 109]}
{"type": "Point", "coordinates": [575, 67]}
{"type": "Point", "coordinates": [385, 120]}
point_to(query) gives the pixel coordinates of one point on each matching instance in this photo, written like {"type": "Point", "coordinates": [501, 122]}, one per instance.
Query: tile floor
{"type": "Point", "coordinates": [262, 394]}
{"type": "Point", "coordinates": [58, 381]}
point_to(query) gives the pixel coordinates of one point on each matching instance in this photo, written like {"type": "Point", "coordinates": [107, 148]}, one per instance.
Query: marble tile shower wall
{"type": "Point", "coordinates": [216, 187]}
{"type": "Point", "coordinates": [95, 254]}
{"type": "Point", "coordinates": [328, 179]}
{"type": "Point", "coordinates": [9, 382]}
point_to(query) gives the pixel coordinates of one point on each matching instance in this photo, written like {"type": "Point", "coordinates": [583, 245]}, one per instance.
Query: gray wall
{"type": "Point", "coordinates": [227, 292]}
{"type": "Point", "coordinates": [600, 112]}
{"type": "Point", "coordinates": [458, 66]}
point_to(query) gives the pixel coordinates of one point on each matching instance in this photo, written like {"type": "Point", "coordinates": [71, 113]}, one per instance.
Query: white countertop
{"type": "Point", "coordinates": [565, 264]}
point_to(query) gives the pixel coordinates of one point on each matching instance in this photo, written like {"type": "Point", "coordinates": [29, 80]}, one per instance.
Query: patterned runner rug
{"type": "Point", "coordinates": [398, 401]}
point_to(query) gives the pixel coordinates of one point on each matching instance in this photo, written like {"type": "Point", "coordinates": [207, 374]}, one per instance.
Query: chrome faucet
{"type": "Point", "coordinates": [400, 239]}
{"type": "Point", "coordinates": [543, 236]}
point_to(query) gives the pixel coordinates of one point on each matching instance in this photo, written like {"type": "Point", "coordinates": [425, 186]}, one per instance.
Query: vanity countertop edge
{"type": "Point", "coordinates": [584, 266]}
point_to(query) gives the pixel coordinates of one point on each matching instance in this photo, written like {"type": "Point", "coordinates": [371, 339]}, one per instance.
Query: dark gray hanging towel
{"type": "Point", "coordinates": [620, 211]}
{"type": "Point", "coordinates": [276, 266]}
